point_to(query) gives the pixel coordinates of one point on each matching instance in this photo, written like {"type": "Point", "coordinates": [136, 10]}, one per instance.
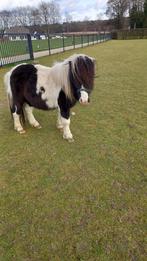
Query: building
{"type": "Point", "coordinates": [17, 33]}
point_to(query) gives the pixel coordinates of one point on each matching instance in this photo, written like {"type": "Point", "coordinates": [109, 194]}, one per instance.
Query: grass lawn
{"type": "Point", "coordinates": [85, 200]}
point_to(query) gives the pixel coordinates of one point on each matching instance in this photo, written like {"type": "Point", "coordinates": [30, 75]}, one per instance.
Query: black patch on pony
{"type": "Point", "coordinates": [65, 104]}
{"type": "Point", "coordinates": [23, 82]}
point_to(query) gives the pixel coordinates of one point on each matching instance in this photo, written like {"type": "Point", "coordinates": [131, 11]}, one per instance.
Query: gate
{"type": "Point", "coordinates": [15, 48]}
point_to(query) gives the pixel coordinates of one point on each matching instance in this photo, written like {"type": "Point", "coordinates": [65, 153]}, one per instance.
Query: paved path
{"type": "Point", "coordinates": [59, 50]}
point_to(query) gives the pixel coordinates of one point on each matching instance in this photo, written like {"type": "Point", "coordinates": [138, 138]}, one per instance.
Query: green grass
{"type": "Point", "coordinates": [85, 200]}
{"type": "Point", "coordinates": [13, 48]}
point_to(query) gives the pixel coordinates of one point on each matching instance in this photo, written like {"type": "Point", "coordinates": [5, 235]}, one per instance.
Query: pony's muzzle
{"type": "Point", "coordinates": [83, 102]}
{"type": "Point", "coordinates": [84, 98]}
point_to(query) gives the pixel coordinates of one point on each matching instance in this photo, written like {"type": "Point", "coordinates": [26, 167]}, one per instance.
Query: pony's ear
{"type": "Point", "coordinates": [94, 60]}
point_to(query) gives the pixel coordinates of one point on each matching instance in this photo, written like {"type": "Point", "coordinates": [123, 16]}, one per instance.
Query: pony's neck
{"type": "Point", "coordinates": [60, 75]}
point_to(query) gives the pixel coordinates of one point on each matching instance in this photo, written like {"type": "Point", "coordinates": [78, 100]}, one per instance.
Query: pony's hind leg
{"type": "Point", "coordinates": [17, 125]}
{"type": "Point", "coordinates": [31, 119]}
{"type": "Point", "coordinates": [16, 117]}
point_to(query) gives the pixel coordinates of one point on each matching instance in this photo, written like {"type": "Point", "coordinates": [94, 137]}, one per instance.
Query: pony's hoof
{"type": "Point", "coordinates": [70, 140]}
{"type": "Point", "coordinates": [38, 127]}
{"type": "Point", "coordinates": [22, 131]}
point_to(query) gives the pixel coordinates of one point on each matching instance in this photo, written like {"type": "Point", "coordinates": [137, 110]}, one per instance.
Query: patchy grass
{"type": "Point", "coordinates": [86, 200]}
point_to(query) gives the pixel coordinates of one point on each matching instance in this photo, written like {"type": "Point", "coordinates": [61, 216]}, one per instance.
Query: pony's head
{"type": "Point", "coordinates": [81, 76]}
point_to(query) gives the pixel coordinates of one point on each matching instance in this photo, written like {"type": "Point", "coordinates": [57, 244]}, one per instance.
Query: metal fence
{"type": "Point", "coordinates": [21, 47]}
{"type": "Point", "coordinates": [62, 42]}
{"type": "Point", "coordinates": [15, 48]}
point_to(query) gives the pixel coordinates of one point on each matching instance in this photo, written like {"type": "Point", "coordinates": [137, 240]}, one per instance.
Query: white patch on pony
{"type": "Point", "coordinates": [47, 79]}
{"type": "Point", "coordinates": [84, 97]}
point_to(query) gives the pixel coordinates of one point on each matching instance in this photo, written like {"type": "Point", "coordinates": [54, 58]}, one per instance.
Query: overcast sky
{"type": "Point", "coordinates": [78, 9]}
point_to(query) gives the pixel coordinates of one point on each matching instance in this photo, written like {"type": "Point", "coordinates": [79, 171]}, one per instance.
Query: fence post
{"type": "Point", "coordinates": [30, 47]}
{"type": "Point", "coordinates": [81, 40]}
{"type": "Point", "coordinates": [63, 42]}
{"type": "Point", "coordinates": [73, 37]}
{"type": "Point", "coordinates": [49, 44]}
{"type": "Point", "coordinates": [88, 39]}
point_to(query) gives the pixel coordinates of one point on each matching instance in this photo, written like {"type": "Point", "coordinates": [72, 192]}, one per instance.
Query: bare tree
{"type": "Point", "coordinates": [49, 12]}
{"type": "Point", "coordinates": [22, 15]}
{"type": "Point", "coordinates": [68, 17]}
{"type": "Point", "coordinates": [44, 12]}
{"type": "Point", "coordinates": [55, 16]}
{"type": "Point", "coordinates": [5, 20]}
{"type": "Point", "coordinates": [116, 9]}
{"type": "Point", "coordinates": [35, 16]}
{"type": "Point", "coordinates": [99, 22]}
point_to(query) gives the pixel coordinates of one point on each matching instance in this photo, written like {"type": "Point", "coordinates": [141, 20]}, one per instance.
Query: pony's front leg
{"type": "Point", "coordinates": [59, 121]}
{"type": "Point", "coordinates": [64, 116]}
{"type": "Point", "coordinates": [66, 129]}
{"type": "Point", "coordinates": [31, 119]}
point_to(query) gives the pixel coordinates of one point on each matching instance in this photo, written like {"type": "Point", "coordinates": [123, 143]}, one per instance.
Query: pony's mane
{"type": "Point", "coordinates": [62, 69]}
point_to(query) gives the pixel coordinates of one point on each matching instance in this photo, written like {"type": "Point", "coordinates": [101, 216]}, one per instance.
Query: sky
{"type": "Point", "coordinates": [78, 9]}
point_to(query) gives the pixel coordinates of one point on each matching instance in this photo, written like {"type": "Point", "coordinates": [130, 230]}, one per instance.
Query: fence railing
{"type": "Point", "coordinates": [15, 48]}
{"type": "Point", "coordinates": [21, 47]}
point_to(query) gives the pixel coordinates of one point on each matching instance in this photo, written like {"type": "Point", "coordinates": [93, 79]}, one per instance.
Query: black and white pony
{"type": "Point", "coordinates": [59, 86]}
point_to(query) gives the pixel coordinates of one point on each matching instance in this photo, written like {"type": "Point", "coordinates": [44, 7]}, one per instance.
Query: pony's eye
{"type": "Point", "coordinates": [42, 89]}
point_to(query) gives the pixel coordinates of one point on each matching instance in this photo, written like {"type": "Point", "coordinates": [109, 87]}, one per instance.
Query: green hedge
{"type": "Point", "coordinates": [130, 34]}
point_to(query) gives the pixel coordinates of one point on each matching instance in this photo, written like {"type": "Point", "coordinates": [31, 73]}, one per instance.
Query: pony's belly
{"type": "Point", "coordinates": [40, 101]}
{"type": "Point", "coordinates": [51, 103]}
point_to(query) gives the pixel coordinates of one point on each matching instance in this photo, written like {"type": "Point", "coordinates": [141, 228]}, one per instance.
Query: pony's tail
{"type": "Point", "coordinates": [10, 97]}
{"type": "Point", "coordinates": [10, 102]}
{"type": "Point", "coordinates": [8, 90]}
